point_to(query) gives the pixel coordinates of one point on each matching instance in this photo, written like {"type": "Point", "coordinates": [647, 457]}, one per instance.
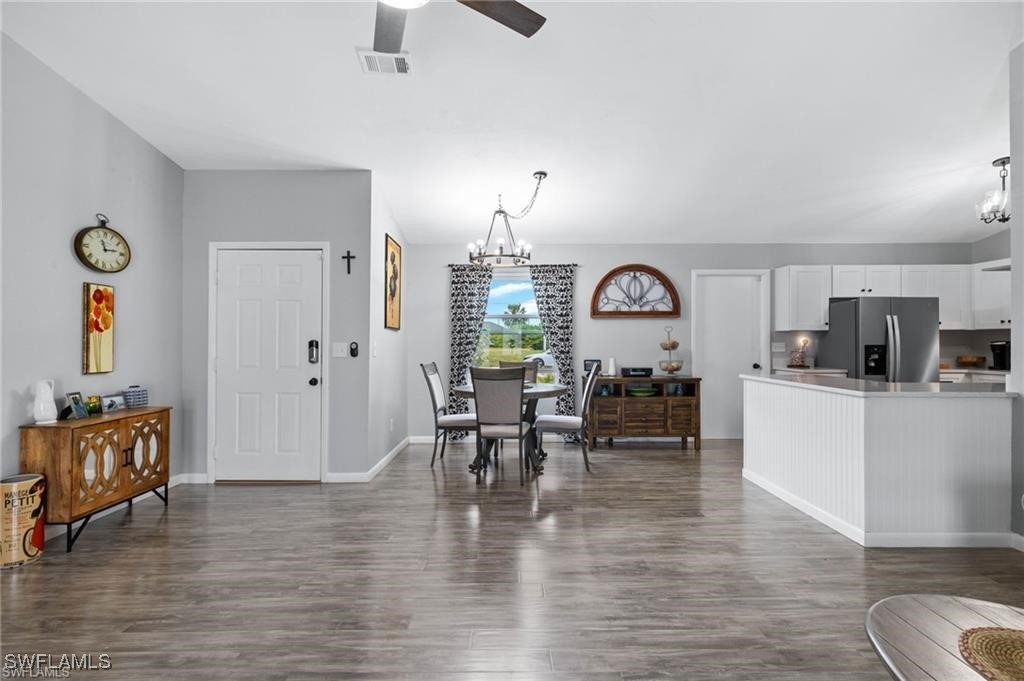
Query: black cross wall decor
{"type": "Point", "coordinates": [348, 258]}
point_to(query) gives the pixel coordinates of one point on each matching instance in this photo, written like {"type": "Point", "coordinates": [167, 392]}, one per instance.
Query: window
{"type": "Point", "coordinates": [512, 331]}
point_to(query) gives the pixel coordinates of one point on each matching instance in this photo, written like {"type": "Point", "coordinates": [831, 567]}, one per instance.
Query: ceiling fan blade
{"type": "Point", "coordinates": [516, 16]}
{"type": "Point", "coordinates": [387, 33]}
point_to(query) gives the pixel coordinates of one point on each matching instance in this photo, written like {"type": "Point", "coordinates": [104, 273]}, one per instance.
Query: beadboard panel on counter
{"type": "Point", "coordinates": [790, 455]}
{"type": "Point", "coordinates": [884, 468]}
{"type": "Point", "coordinates": [964, 496]}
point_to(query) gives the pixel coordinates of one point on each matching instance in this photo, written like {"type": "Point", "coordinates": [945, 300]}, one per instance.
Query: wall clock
{"type": "Point", "coordinates": [102, 248]}
{"type": "Point", "coordinates": [635, 291]}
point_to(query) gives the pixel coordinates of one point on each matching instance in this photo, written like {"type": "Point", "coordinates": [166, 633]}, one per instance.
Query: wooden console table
{"type": "Point", "coordinates": [97, 462]}
{"type": "Point", "coordinates": [672, 411]}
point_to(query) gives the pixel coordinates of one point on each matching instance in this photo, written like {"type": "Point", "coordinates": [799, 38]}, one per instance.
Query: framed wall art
{"type": "Point", "coordinates": [635, 291]}
{"type": "Point", "coordinates": [97, 328]}
{"type": "Point", "coordinates": [392, 283]}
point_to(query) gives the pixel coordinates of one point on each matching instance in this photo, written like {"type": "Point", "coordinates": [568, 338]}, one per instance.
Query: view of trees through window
{"type": "Point", "coordinates": [512, 331]}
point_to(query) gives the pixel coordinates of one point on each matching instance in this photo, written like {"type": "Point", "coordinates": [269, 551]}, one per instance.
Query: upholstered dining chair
{"type": "Point", "coordinates": [443, 421]}
{"type": "Point", "coordinates": [498, 394]}
{"type": "Point", "coordinates": [577, 425]}
{"type": "Point", "coordinates": [531, 369]}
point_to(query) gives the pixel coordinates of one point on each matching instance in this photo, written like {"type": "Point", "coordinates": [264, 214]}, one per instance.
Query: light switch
{"type": "Point", "coordinates": [339, 350]}
{"type": "Point", "coordinates": [374, 348]}
{"type": "Point", "coordinates": [779, 347]}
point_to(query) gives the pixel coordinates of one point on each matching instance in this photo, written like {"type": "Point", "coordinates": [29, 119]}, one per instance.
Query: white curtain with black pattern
{"type": "Point", "coordinates": [471, 286]}
{"type": "Point", "coordinates": [554, 287]}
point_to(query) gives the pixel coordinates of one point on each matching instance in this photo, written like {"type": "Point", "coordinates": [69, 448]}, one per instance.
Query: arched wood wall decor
{"type": "Point", "coordinates": [635, 291]}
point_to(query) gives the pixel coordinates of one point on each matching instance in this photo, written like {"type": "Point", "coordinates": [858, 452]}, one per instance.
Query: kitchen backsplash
{"type": "Point", "coordinates": [954, 343]}
{"type": "Point", "coordinates": [951, 344]}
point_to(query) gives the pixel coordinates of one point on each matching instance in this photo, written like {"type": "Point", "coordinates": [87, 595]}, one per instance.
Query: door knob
{"type": "Point", "coordinates": [756, 365]}
{"type": "Point", "coordinates": [314, 381]}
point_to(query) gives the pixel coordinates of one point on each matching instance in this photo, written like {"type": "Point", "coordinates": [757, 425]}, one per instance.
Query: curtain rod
{"type": "Point", "coordinates": [557, 264]}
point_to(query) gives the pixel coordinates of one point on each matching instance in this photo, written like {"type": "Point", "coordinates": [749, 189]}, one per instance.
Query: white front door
{"type": "Point", "coordinates": [729, 328]}
{"type": "Point", "coordinates": [268, 395]}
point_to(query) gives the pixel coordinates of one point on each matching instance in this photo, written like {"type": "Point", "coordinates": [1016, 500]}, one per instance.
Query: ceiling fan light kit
{"type": "Point", "coordinates": [993, 207]}
{"type": "Point", "coordinates": [405, 4]}
{"type": "Point", "coordinates": [507, 251]}
{"type": "Point", "coordinates": [389, 26]}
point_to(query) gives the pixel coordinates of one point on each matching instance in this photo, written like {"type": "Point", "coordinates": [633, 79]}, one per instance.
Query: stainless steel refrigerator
{"type": "Point", "coordinates": [883, 339]}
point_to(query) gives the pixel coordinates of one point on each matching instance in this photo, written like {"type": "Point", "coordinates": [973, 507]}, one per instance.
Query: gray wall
{"type": "Point", "coordinates": [65, 160]}
{"type": "Point", "coordinates": [331, 206]}
{"type": "Point", "coordinates": [995, 247]}
{"type": "Point", "coordinates": [632, 342]}
{"type": "Point", "coordinates": [1017, 332]}
{"type": "Point", "coordinates": [388, 419]}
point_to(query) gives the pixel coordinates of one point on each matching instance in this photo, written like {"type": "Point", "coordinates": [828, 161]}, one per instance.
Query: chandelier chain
{"type": "Point", "coordinates": [529, 206]}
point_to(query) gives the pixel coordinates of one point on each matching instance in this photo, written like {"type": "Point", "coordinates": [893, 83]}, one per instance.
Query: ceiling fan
{"type": "Point", "coordinates": [390, 24]}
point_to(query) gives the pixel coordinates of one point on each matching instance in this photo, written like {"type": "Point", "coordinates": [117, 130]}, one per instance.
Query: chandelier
{"type": "Point", "coordinates": [506, 251]}
{"type": "Point", "coordinates": [993, 208]}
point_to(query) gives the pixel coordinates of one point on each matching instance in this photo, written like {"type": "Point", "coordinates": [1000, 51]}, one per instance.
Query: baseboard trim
{"type": "Point", "coordinates": [938, 540]}
{"type": "Point", "coordinates": [890, 539]}
{"type": "Point", "coordinates": [189, 479]}
{"type": "Point", "coordinates": [54, 531]}
{"type": "Point", "coordinates": [373, 472]}
{"type": "Point", "coordinates": [839, 525]}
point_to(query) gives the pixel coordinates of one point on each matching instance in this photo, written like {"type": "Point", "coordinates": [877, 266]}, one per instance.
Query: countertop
{"type": "Point", "coordinates": [809, 371]}
{"type": "Point", "coordinates": [972, 370]}
{"type": "Point", "coordinates": [861, 388]}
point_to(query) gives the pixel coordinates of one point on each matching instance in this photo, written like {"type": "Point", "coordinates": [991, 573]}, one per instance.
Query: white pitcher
{"type": "Point", "coordinates": [45, 409]}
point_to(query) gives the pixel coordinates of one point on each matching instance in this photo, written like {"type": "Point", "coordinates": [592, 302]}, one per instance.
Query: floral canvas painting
{"type": "Point", "coordinates": [98, 329]}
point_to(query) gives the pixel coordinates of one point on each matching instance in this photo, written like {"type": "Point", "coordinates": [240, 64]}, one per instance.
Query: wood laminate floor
{"type": "Point", "coordinates": [659, 565]}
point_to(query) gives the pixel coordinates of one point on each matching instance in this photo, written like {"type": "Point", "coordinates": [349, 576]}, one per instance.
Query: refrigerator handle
{"type": "Point", "coordinates": [899, 348]}
{"type": "Point", "coordinates": [890, 348]}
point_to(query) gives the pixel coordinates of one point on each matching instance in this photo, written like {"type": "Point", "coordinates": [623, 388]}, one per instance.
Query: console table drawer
{"type": "Point", "coordinates": [681, 417]}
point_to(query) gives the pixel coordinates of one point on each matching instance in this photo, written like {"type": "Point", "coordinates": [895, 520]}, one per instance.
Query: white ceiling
{"type": "Point", "coordinates": [658, 122]}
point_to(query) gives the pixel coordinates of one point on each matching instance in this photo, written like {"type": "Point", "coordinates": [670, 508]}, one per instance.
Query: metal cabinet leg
{"type": "Point", "coordinates": [72, 538]}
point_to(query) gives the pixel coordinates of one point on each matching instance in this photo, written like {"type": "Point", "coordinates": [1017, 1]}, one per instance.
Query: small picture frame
{"type": "Point", "coordinates": [111, 403]}
{"type": "Point", "coordinates": [93, 405]}
{"type": "Point", "coordinates": [587, 363]}
{"type": "Point", "coordinates": [77, 404]}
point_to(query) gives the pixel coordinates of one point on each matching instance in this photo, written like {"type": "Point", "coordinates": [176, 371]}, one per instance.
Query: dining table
{"type": "Point", "coordinates": [532, 394]}
{"type": "Point", "coordinates": [918, 636]}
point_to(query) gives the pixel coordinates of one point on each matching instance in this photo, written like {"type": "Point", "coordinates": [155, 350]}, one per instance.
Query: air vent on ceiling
{"type": "Point", "coordinates": [380, 62]}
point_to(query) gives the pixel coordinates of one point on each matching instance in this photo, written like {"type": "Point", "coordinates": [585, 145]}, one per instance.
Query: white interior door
{"type": "Point", "coordinates": [729, 337]}
{"type": "Point", "coordinates": [268, 393]}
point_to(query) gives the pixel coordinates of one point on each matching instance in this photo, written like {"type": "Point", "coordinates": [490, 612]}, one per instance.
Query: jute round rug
{"type": "Point", "coordinates": [997, 654]}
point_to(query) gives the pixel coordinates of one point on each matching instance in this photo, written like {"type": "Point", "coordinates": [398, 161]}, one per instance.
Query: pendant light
{"type": "Point", "coordinates": [993, 207]}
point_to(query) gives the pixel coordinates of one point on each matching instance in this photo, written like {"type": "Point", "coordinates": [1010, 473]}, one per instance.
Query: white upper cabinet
{"type": "Point", "coordinates": [918, 281]}
{"type": "Point", "coordinates": [992, 295]}
{"type": "Point", "coordinates": [801, 297]}
{"type": "Point", "coordinates": [951, 284]}
{"type": "Point", "coordinates": [849, 281]}
{"type": "Point", "coordinates": [865, 280]}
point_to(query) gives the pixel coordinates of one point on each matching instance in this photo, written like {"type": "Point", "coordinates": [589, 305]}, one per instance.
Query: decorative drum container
{"type": "Point", "coordinates": [22, 520]}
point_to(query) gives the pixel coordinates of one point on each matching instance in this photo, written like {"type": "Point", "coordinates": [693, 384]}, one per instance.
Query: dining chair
{"type": "Point", "coordinates": [578, 425]}
{"type": "Point", "coordinates": [443, 421]}
{"type": "Point", "coordinates": [499, 410]}
{"type": "Point", "coordinates": [531, 369]}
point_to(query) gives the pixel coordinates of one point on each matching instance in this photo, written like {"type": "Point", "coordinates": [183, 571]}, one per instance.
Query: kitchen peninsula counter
{"type": "Point", "coordinates": [885, 464]}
